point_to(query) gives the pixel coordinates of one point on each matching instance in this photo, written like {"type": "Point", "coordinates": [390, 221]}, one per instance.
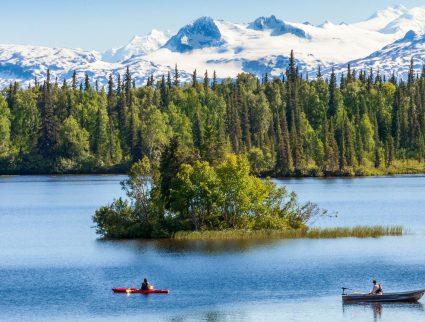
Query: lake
{"type": "Point", "coordinates": [53, 267]}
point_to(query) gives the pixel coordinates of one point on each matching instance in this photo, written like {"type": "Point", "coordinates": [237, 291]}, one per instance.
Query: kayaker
{"type": "Point", "coordinates": [145, 285]}
{"type": "Point", "coordinates": [377, 288]}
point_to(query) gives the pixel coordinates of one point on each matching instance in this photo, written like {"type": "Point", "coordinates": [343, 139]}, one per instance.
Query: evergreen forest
{"type": "Point", "coordinates": [287, 126]}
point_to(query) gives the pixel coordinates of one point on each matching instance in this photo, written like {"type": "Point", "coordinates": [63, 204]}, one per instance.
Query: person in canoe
{"type": "Point", "coordinates": [377, 288]}
{"type": "Point", "coordinates": [146, 285]}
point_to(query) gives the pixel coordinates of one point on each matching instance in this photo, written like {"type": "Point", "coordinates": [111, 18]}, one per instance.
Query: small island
{"type": "Point", "coordinates": [185, 198]}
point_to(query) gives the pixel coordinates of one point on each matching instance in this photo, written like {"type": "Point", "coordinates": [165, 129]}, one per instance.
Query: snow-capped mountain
{"type": "Point", "coordinates": [382, 18]}
{"type": "Point", "coordinates": [413, 19]}
{"type": "Point", "coordinates": [395, 57]}
{"type": "Point", "coordinates": [202, 33]}
{"type": "Point", "coordinates": [23, 64]}
{"type": "Point", "coordinates": [139, 45]}
{"type": "Point", "coordinates": [276, 27]}
{"type": "Point", "coordinates": [262, 45]}
{"type": "Point", "coordinates": [386, 41]}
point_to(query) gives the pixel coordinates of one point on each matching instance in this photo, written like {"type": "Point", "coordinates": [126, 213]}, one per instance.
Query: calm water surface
{"type": "Point", "coordinates": [52, 267]}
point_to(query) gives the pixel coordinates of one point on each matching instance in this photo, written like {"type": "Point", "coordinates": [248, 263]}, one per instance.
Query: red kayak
{"type": "Point", "coordinates": [139, 291]}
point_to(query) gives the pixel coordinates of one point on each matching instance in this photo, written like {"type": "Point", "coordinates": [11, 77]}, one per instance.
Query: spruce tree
{"type": "Point", "coordinates": [294, 113]}
{"type": "Point", "coordinates": [214, 82]}
{"type": "Point", "coordinates": [377, 154]}
{"type": "Point", "coordinates": [285, 163]}
{"type": "Point", "coordinates": [206, 81]}
{"type": "Point", "coordinates": [319, 73]}
{"type": "Point", "coordinates": [111, 115]}
{"type": "Point", "coordinates": [333, 105]}
{"type": "Point", "coordinates": [411, 75]}
{"type": "Point", "coordinates": [176, 77]}
{"type": "Point", "coordinates": [169, 84]}
{"type": "Point", "coordinates": [119, 84]}
{"type": "Point", "coordinates": [198, 131]}
{"type": "Point", "coordinates": [164, 94]}
{"type": "Point", "coordinates": [194, 79]}
{"type": "Point", "coordinates": [87, 86]}
{"type": "Point", "coordinates": [74, 81]}
{"type": "Point", "coordinates": [49, 131]}
{"type": "Point", "coordinates": [246, 126]}
{"type": "Point", "coordinates": [170, 163]}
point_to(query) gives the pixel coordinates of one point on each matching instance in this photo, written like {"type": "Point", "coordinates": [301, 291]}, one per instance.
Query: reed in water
{"type": "Point", "coordinates": [313, 233]}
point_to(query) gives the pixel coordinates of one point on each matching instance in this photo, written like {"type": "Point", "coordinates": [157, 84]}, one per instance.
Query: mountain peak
{"type": "Point", "coordinates": [412, 19]}
{"type": "Point", "coordinates": [263, 23]}
{"type": "Point", "coordinates": [410, 35]}
{"type": "Point", "coordinates": [138, 45]}
{"type": "Point", "coordinates": [202, 33]}
{"type": "Point", "coordinates": [204, 20]}
{"type": "Point", "coordinates": [326, 24]}
{"type": "Point", "coordinates": [396, 10]}
{"type": "Point", "coordinates": [276, 26]}
{"type": "Point", "coordinates": [398, 7]}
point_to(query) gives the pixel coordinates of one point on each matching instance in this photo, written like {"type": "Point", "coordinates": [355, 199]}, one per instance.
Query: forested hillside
{"type": "Point", "coordinates": [290, 126]}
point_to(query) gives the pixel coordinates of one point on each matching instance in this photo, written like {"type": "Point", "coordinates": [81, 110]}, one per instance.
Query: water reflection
{"type": "Point", "coordinates": [210, 247]}
{"type": "Point", "coordinates": [212, 316]}
{"type": "Point", "coordinates": [377, 309]}
{"type": "Point", "coordinates": [193, 246]}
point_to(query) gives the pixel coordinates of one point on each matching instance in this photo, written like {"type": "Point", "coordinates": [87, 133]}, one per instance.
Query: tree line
{"type": "Point", "coordinates": [284, 126]}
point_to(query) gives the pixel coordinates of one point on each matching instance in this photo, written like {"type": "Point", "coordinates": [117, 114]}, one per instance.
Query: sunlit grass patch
{"type": "Point", "coordinates": [313, 233]}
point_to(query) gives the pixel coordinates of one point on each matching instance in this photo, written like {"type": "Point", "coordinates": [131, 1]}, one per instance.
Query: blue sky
{"type": "Point", "coordinates": [102, 24]}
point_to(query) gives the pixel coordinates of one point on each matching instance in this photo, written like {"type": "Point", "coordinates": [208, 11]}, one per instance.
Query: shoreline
{"type": "Point", "coordinates": [378, 174]}
{"type": "Point", "coordinates": [388, 175]}
{"type": "Point", "coordinates": [399, 167]}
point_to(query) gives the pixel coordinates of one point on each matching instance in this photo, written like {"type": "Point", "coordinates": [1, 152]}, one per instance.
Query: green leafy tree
{"type": "Point", "coordinates": [138, 187]}
{"type": "Point", "coordinates": [195, 195]}
{"type": "Point", "coordinates": [74, 140]}
{"type": "Point", "coordinates": [154, 133]}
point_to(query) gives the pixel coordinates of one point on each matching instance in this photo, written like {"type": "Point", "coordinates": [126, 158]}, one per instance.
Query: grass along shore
{"type": "Point", "coordinates": [397, 167]}
{"type": "Point", "coordinates": [312, 233]}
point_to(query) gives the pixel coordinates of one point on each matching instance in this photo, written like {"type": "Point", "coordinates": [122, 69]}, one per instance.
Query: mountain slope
{"type": "Point", "coordinates": [413, 19]}
{"type": "Point", "coordinates": [394, 57]}
{"type": "Point", "coordinates": [22, 63]}
{"type": "Point", "coordinates": [380, 19]}
{"type": "Point", "coordinates": [25, 63]}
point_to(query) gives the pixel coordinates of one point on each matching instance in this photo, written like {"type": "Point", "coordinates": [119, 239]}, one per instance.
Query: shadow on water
{"type": "Point", "coordinates": [377, 309]}
{"type": "Point", "coordinates": [209, 247]}
{"type": "Point", "coordinates": [212, 316]}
